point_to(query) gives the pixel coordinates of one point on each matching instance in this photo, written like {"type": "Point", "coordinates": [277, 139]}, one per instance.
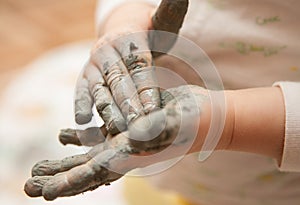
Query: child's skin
{"type": "Point", "coordinates": [119, 76]}
{"type": "Point", "coordinates": [258, 125]}
{"type": "Point", "coordinates": [255, 123]}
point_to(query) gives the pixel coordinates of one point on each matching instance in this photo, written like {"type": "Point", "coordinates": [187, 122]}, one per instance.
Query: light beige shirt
{"type": "Point", "coordinates": [252, 44]}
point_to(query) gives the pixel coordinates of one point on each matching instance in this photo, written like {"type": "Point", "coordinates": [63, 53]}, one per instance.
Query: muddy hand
{"type": "Point", "coordinates": [119, 77]}
{"type": "Point", "coordinates": [80, 173]}
{"type": "Point", "coordinates": [169, 132]}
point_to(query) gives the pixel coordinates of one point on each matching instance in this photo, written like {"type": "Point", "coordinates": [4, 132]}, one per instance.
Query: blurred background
{"type": "Point", "coordinates": [29, 28]}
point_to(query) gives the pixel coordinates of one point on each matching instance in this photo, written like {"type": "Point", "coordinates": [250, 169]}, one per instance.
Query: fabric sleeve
{"type": "Point", "coordinates": [291, 151]}
{"type": "Point", "coordinates": [105, 7]}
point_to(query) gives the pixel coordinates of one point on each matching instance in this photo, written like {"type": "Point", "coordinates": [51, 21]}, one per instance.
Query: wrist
{"type": "Point", "coordinates": [205, 122]}
{"type": "Point", "coordinates": [259, 122]}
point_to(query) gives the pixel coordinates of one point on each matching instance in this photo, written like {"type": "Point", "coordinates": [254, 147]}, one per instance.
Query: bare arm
{"type": "Point", "coordinates": [255, 122]}
{"type": "Point", "coordinates": [259, 124]}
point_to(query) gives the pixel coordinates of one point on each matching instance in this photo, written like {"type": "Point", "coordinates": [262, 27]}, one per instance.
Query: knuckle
{"type": "Point", "coordinates": [135, 62]}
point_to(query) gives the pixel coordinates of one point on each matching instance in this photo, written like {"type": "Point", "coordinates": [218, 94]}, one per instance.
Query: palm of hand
{"type": "Point", "coordinates": [170, 131]}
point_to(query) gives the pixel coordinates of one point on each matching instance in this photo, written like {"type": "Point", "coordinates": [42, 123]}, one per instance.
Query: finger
{"type": "Point", "coordinates": [87, 176]}
{"type": "Point", "coordinates": [169, 17]}
{"type": "Point", "coordinates": [138, 60]}
{"type": "Point", "coordinates": [83, 102]}
{"type": "Point", "coordinates": [80, 179]}
{"type": "Point", "coordinates": [89, 137]}
{"type": "Point", "coordinates": [34, 186]}
{"type": "Point", "coordinates": [105, 104]}
{"type": "Point", "coordinates": [166, 97]}
{"type": "Point", "coordinates": [52, 167]}
{"type": "Point", "coordinates": [119, 82]}
{"type": "Point", "coordinates": [75, 181]}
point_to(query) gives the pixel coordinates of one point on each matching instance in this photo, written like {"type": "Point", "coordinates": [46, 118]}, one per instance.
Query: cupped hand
{"type": "Point", "coordinates": [169, 132]}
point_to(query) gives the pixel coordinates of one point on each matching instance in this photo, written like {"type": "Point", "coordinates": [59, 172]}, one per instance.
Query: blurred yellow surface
{"type": "Point", "coordinates": [138, 191]}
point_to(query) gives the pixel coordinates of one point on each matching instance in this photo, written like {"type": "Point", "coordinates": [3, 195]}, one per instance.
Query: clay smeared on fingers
{"type": "Point", "coordinates": [52, 167]}
{"type": "Point", "coordinates": [80, 179]}
{"type": "Point", "coordinates": [89, 137]}
{"type": "Point", "coordinates": [119, 82]}
{"type": "Point", "coordinates": [104, 102]}
{"type": "Point", "coordinates": [108, 110]}
{"type": "Point", "coordinates": [169, 17]}
{"type": "Point", "coordinates": [77, 174]}
{"type": "Point", "coordinates": [143, 75]}
{"type": "Point", "coordinates": [147, 87]}
{"type": "Point", "coordinates": [34, 185]}
{"type": "Point", "coordinates": [137, 58]}
{"type": "Point", "coordinates": [171, 126]}
{"type": "Point", "coordinates": [83, 102]}
{"type": "Point", "coordinates": [126, 96]}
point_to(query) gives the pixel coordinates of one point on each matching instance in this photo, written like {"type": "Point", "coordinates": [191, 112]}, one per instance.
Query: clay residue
{"type": "Point", "coordinates": [108, 161]}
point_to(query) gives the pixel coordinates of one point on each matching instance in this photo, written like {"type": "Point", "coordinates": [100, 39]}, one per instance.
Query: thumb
{"type": "Point", "coordinates": [149, 132]}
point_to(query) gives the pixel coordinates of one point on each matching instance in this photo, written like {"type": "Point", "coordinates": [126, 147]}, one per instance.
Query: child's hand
{"type": "Point", "coordinates": [177, 129]}
{"type": "Point", "coordinates": [119, 77]}
{"type": "Point", "coordinates": [167, 133]}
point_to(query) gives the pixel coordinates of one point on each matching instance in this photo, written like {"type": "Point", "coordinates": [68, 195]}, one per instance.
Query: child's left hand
{"type": "Point", "coordinates": [161, 135]}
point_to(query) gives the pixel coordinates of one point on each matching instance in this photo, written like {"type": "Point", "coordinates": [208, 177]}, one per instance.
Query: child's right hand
{"type": "Point", "coordinates": [119, 77]}
{"type": "Point", "coordinates": [112, 65]}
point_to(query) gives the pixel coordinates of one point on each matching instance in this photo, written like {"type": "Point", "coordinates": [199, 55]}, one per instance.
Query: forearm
{"type": "Point", "coordinates": [254, 122]}
{"type": "Point", "coordinates": [259, 121]}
